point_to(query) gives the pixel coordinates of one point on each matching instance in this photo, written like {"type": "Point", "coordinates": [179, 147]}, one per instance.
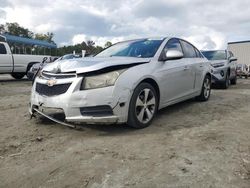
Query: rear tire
{"type": "Point", "coordinates": [143, 106]}
{"type": "Point", "coordinates": [18, 76]}
{"type": "Point", "coordinates": [206, 89]}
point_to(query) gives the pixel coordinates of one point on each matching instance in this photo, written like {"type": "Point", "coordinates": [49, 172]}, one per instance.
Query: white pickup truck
{"type": "Point", "coordinates": [16, 64]}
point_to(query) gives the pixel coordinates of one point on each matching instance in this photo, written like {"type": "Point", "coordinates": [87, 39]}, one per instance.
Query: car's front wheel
{"type": "Point", "coordinates": [234, 80]}
{"type": "Point", "coordinates": [143, 106]}
{"type": "Point", "coordinates": [17, 76]}
{"type": "Point", "coordinates": [206, 89]}
{"type": "Point", "coordinates": [226, 83]}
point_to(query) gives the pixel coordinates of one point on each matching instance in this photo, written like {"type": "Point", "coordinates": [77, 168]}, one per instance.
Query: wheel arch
{"type": "Point", "coordinates": [208, 74]}
{"type": "Point", "coordinates": [30, 64]}
{"type": "Point", "coordinates": [154, 84]}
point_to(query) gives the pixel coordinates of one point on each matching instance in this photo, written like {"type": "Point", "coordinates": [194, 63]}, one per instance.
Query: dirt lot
{"type": "Point", "coordinates": [190, 144]}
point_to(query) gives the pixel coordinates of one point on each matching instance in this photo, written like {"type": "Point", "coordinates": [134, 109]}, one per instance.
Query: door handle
{"type": "Point", "coordinates": [201, 65]}
{"type": "Point", "coordinates": [186, 68]}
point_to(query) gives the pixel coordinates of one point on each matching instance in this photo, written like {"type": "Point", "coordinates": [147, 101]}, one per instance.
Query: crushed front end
{"type": "Point", "coordinates": [64, 91]}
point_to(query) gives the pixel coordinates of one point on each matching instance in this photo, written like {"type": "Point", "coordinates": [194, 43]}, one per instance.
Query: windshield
{"type": "Point", "coordinates": [140, 48]}
{"type": "Point", "coordinates": [215, 55]}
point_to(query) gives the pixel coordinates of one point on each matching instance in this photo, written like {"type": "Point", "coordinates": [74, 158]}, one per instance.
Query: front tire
{"type": "Point", "coordinates": [206, 89]}
{"type": "Point", "coordinates": [17, 76]}
{"type": "Point", "coordinates": [143, 106]}
{"type": "Point", "coordinates": [234, 81]}
{"type": "Point", "coordinates": [226, 83]}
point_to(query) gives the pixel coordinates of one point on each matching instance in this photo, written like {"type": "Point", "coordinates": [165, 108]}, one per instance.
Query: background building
{"type": "Point", "coordinates": [241, 50]}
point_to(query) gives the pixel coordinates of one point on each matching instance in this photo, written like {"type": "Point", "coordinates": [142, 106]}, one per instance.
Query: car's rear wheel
{"type": "Point", "coordinates": [17, 76]}
{"type": "Point", "coordinates": [143, 106]}
{"type": "Point", "coordinates": [206, 89]}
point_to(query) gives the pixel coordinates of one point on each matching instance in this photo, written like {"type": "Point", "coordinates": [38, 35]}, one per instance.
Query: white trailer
{"type": "Point", "coordinates": [241, 50]}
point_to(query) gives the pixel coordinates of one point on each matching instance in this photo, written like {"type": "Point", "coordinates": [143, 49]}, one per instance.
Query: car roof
{"type": "Point", "coordinates": [212, 50]}
{"type": "Point", "coordinates": [148, 38]}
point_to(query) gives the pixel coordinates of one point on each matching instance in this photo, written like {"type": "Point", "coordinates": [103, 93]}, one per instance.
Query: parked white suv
{"type": "Point", "coordinates": [224, 67]}
{"type": "Point", "coordinates": [126, 83]}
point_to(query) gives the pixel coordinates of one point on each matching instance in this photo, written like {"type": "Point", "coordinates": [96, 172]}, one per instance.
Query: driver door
{"type": "Point", "coordinates": [176, 76]}
{"type": "Point", "coordinates": [6, 63]}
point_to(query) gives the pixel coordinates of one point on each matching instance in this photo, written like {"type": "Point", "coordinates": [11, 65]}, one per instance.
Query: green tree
{"type": "Point", "coordinates": [90, 47]}
{"type": "Point", "coordinates": [2, 30]}
{"type": "Point", "coordinates": [90, 43]}
{"type": "Point", "coordinates": [108, 44]}
{"type": "Point", "coordinates": [46, 37]}
{"type": "Point", "coordinates": [17, 30]}
{"type": "Point", "coordinates": [84, 45]}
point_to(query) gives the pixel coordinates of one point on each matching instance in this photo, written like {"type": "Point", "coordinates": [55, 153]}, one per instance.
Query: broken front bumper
{"type": "Point", "coordinates": [219, 75]}
{"type": "Point", "coordinates": [102, 105]}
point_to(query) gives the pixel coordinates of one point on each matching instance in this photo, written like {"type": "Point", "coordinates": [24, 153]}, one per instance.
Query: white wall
{"type": "Point", "coordinates": [241, 51]}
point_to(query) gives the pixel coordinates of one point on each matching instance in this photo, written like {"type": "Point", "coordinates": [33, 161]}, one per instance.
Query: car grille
{"type": "Point", "coordinates": [49, 75]}
{"type": "Point", "coordinates": [59, 89]}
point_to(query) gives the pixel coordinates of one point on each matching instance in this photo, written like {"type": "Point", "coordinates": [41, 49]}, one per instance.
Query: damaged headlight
{"type": "Point", "coordinates": [101, 80]}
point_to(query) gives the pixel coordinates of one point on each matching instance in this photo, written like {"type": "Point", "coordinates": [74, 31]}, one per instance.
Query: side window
{"type": "Point", "coordinates": [189, 51]}
{"type": "Point", "coordinates": [198, 54]}
{"type": "Point", "coordinates": [2, 49]}
{"type": "Point", "coordinates": [173, 44]}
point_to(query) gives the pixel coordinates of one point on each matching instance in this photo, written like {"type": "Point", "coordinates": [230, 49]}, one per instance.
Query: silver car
{"type": "Point", "coordinates": [224, 67]}
{"type": "Point", "coordinates": [126, 83]}
{"type": "Point", "coordinates": [242, 71]}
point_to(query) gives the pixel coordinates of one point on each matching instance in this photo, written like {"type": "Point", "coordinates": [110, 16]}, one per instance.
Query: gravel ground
{"type": "Point", "coordinates": [190, 144]}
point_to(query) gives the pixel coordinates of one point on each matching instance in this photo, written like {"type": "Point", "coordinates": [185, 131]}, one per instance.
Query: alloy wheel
{"type": "Point", "coordinates": [145, 105]}
{"type": "Point", "coordinates": [207, 88]}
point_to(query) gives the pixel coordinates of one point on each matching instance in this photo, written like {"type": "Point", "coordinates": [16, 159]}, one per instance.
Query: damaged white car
{"type": "Point", "coordinates": [126, 83]}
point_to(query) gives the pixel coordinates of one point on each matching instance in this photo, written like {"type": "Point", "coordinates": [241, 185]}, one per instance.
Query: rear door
{"type": "Point", "coordinates": [176, 76]}
{"type": "Point", "coordinates": [196, 63]}
{"type": "Point", "coordinates": [6, 64]}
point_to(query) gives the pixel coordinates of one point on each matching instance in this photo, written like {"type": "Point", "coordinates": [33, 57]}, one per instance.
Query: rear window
{"type": "Point", "coordinates": [2, 49]}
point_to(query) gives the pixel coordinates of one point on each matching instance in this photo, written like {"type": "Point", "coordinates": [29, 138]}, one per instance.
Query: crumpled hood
{"type": "Point", "coordinates": [89, 64]}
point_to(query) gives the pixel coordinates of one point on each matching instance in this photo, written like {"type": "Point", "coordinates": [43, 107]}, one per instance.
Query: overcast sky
{"type": "Point", "coordinates": [207, 24]}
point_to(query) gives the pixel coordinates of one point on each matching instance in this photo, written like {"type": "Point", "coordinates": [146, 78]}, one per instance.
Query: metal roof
{"type": "Point", "coordinates": [28, 41]}
{"type": "Point", "coordinates": [237, 42]}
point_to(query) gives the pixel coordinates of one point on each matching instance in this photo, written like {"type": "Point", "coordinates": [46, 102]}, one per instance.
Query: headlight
{"type": "Point", "coordinates": [101, 80]}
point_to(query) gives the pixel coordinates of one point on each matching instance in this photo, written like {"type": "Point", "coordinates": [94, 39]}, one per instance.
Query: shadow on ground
{"type": "Point", "coordinates": [157, 125]}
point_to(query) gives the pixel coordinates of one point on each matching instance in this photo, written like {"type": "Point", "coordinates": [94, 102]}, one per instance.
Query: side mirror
{"type": "Point", "coordinates": [171, 55]}
{"type": "Point", "coordinates": [231, 59]}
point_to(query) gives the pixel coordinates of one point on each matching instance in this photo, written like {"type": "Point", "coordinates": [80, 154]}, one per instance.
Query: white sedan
{"type": "Point", "coordinates": [126, 83]}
